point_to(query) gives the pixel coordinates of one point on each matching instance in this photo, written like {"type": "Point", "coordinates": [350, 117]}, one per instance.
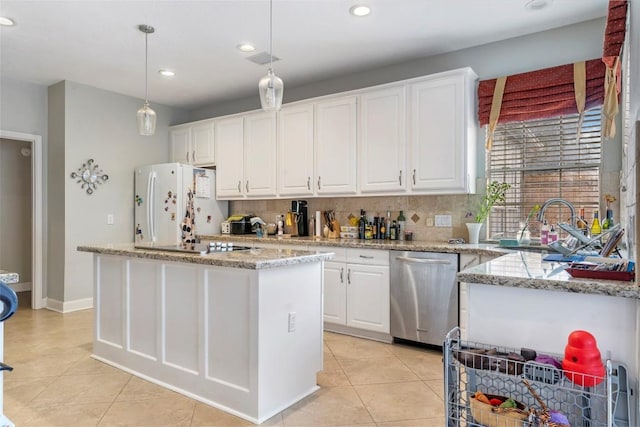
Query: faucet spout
{"type": "Point", "coordinates": [555, 200]}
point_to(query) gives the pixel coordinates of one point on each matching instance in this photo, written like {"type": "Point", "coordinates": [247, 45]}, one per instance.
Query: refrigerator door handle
{"type": "Point", "coordinates": [151, 186]}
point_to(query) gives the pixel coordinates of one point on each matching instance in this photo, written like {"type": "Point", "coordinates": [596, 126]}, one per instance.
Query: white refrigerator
{"type": "Point", "coordinates": [167, 196]}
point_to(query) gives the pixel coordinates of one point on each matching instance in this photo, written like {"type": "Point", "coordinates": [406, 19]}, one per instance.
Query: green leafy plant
{"type": "Point", "coordinates": [496, 192]}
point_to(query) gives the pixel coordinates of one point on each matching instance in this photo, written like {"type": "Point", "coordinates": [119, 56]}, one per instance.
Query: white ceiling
{"type": "Point", "coordinates": [97, 42]}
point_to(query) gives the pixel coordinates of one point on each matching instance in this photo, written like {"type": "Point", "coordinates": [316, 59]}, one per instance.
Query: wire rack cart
{"type": "Point", "coordinates": [541, 388]}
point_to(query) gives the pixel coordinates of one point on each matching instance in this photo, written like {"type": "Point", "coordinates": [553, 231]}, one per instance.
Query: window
{"type": "Point", "coordinates": [542, 159]}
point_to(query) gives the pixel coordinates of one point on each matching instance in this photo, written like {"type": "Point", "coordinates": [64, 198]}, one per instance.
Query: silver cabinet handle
{"type": "Point", "coordinates": [318, 183]}
{"type": "Point", "coordinates": [341, 275]}
{"type": "Point", "coordinates": [349, 276]}
{"type": "Point", "coordinates": [187, 157]}
{"type": "Point", "coordinates": [239, 184]}
{"type": "Point", "coordinates": [422, 260]}
{"type": "Point", "coordinates": [194, 156]}
{"type": "Point", "coordinates": [247, 186]}
{"type": "Point", "coordinates": [308, 183]}
{"type": "Point", "coordinates": [366, 256]}
{"type": "Point", "coordinates": [400, 178]}
{"type": "Point", "coordinates": [422, 330]}
{"type": "Point", "coordinates": [414, 177]}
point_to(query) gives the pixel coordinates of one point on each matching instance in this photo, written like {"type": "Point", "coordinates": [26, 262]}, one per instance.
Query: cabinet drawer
{"type": "Point", "coordinates": [340, 254]}
{"type": "Point", "coordinates": [368, 256]}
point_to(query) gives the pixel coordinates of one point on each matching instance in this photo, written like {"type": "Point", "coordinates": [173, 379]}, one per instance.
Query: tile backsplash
{"type": "Point", "coordinates": [418, 210]}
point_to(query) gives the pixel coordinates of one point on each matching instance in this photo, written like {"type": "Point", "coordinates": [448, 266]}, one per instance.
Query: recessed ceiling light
{"type": "Point", "coordinates": [246, 47]}
{"type": "Point", "coordinates": [6, 21]}
{"type": "Point", "coordinates": [167, 73]}
{"type": "Point", "coordinates": [360, 10]}
{"type": "Point", "coordinates": [537, 4]}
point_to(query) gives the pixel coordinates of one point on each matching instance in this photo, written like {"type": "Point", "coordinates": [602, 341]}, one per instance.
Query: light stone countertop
{"type": "Point", "coordinates": [398, 245]}
{"type": "Point", "coordinates": [9, 277]}
{"type": "Point", "coordinates": [528, 270]}
{"type": "Point", "coordinates": [254, 259]}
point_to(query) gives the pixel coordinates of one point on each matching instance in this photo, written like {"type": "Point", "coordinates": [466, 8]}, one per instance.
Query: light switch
{"type": "Point", "coordinates": [109, 219]}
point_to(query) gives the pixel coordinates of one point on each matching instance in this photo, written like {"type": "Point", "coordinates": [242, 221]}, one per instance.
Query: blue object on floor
{"type": "Point", "coordinates": [10, 299]}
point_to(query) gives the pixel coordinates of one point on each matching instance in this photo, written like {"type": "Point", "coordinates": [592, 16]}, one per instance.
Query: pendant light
{"type": "Point", "coordinates": [146, 116]}
{"type": "Point", "coordinates": [271, 87]}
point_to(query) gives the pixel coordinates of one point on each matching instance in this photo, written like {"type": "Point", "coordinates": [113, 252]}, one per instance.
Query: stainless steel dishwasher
{"type": "Point", "coordinates": [424, 295]}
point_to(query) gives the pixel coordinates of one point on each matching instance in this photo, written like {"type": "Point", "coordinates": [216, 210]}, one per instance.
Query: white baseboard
{"type": "Point", "coordinates": [21, 287]}
{"type": "Point", "coordinates": [69, 306]}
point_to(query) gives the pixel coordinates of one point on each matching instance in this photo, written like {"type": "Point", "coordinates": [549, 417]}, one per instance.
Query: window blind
{"type": "Point", "coordinates": [542, 159]}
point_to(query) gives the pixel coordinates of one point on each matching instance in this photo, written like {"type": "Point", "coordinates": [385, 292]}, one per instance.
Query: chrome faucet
{"type": "Point", "coordinates": [544, 206]}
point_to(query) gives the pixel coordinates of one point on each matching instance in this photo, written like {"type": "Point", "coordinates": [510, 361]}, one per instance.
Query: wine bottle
{"type": "Point", "coordinates": [596, 228]}
{"type": "Point", "coordinates": [608, 221]}
{"type": "Point", "coordinates": [581, 223]}
{"type": "Point", "coordinates": [400, 226]}
{"type": "Point", "coordinates": [393, 230]}
{"type": "Point", "coordinates": [362, 224]}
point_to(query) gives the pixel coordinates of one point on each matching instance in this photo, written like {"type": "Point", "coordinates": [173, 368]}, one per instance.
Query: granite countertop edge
{"type": "Point", "coordinates": [255, 259]}
{"type": "Point", "coordinates": [561, 281]}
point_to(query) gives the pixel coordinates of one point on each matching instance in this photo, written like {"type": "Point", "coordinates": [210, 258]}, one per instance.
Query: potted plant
{"type": "Point", "coordinates": [496, 192]}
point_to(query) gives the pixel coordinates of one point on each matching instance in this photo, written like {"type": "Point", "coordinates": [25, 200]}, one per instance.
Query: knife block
{"type": "Point", "coordinates": [335, 234]}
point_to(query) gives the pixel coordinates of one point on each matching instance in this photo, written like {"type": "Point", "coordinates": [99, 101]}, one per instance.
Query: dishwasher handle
{"type": "Point", "coordinates": [422, 260]}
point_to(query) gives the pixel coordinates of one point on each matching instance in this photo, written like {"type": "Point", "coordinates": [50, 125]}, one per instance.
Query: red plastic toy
{"type": "Point", "coordinates": [582, 360]}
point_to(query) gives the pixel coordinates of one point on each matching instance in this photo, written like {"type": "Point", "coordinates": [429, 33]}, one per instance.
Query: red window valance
{"type": "Point", "coordinates": [542, 93]}
{"type": "Point", "coordinates": [614, 35]}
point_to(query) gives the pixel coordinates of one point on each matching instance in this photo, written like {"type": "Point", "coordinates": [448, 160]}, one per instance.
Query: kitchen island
{"type": "Point", "coordinates": [520, 300]}
{"type": "Point", "coordinates": [240, 331]}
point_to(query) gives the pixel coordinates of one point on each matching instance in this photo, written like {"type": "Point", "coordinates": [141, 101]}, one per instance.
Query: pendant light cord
{"type": "Point", "coordinates": [271, 34]}
{"type": "Point", "coordinates": [146, 64]}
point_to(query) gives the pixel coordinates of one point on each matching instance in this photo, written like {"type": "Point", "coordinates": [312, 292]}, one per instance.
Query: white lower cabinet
{"type": "Point", "coordinates": [467, 261]}
{"type": "Point", "coordinates": [356, 289]}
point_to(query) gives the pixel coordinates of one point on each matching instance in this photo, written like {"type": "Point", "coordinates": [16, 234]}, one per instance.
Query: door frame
{"type": "Point", "coordinates": [37, 226]}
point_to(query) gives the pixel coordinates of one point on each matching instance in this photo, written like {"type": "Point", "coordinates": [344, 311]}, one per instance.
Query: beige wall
{"type": "Point", "coordinates": [15, 208]}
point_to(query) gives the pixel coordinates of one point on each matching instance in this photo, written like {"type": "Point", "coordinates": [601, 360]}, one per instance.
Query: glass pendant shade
{"type": "Point", "coordinates": [146, 120]}
{"type": "Point", "coordinates": [271, 91]}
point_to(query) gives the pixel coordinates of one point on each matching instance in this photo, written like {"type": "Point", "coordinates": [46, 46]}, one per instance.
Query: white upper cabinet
{"type": "Point", "coordinates": [442, 133]}
{"type": "Point", "coordinates": [180, 144]}
{"type": "Point", "coordinates": [229, 137]}
{"type": "Point", "coordinates": [295, 151]}
{"type": "Point", "coordinates": [335, 146]}
{"type": "Point", "coordinates": [246, 153]}
{"type": "Point", "coordinates": [193, 144]}
{"type": "Point", "coordinates": [382, 140]}
{"type": "Point", "coordinates": [260, 154]}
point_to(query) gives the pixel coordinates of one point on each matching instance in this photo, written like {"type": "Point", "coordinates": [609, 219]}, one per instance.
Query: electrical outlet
{"type": "Point", "coordinates": [110, 219]}
{"type": "Point", "coordinates": [443, 220]}
{"type": "Point", "coordinates": [429, 222]}
{"type": "Point", "coordinates": [292, 321]}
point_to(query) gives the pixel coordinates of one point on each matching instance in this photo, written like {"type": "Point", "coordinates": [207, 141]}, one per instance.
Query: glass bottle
{"type": "Point", "coordinates": [393, 230]}
{"type": "Point", "coordinates": [388, 226]}
{"type": "Point", "coordinates": [400, 226]}
{"type": "Point", "coordinates": [581, 223]}
{"type": "Point", "coordinates": [596, 229]}
{"type": "Point", "coordinates": [608, 221]}
{"type": "Point", "coordinates": [362, 224]}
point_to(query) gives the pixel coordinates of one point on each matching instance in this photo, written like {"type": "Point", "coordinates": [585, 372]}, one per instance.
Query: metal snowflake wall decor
{"type": "Point", "coordinates": [90, 176]}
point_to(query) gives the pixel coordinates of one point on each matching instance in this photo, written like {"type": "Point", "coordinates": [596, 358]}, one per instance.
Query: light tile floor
{"type": "Point", "coordinates": [55, 382]}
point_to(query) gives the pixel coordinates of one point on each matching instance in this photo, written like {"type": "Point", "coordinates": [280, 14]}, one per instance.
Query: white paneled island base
{"type": "Point", "coordinates": [244, 340]}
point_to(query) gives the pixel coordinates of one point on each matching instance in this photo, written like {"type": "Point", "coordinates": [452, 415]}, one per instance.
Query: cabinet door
{"type": "Point", "coordinates": [368, 302]}
{"type": "Point", "coordinates": [335, 146]}
{"type": "Point", "coordinates": [438, 135]}
{"type": "Point", "coordinates": [335, 297]}
{"type": "Point", "coordinates": [260, 154]}
{"type": "Point", "coordinates": [202, 146]}
{"type": "Point", "coordinates": [180, 145]}
{"type": "Point", "coordinates": [295, 151]}
{"type": "Point", "coordinates": [229, 151]}
{"type": "Point", "coordinates": [382, 141]}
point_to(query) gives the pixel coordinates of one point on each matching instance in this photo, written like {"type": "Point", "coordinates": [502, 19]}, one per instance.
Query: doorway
{"type": "Point", "coordinates": [29, 147]}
